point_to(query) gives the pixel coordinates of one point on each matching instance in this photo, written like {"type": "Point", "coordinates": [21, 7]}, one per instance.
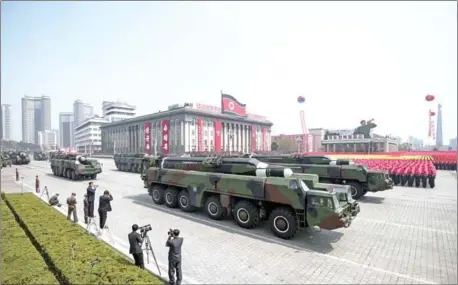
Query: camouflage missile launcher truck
{"type": "Point", "coordinates": [6, 160]}
{"type": "Point", "coordinates": [19, 157]}
{"type": "Point", "coordinates": [75, 166]}
{"type": "Point", "coordinates": [129, 162]}
{"type": "Point", "coordinates": [40, 155]}
{"type": "Point", "coordinates": [247, 189]}
{"type": "Point", "coordinates": [358, 177]}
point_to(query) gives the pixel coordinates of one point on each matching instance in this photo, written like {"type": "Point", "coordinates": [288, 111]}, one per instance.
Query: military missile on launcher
{"type": "Point", "coordinates": [75, 166]}
{"type": "Point", "coordinates": [360, 179]}
{"type": "Point", "coordinates": [19, 157]}
{"type": "Point", "coordinates": [40, 155]}
{"type": "Point", "coordinates": [129, 162]}
{"type": "Point", "coordinates": [5, 159]}
{"type": "Point", "coordinates": [248, 189]}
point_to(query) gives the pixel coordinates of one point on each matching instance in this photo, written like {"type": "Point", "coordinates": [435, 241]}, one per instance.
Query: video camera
{"type": "Point", "coordinates": [170, 233]}
{"type": "Point", "coordinates": [145, 229]}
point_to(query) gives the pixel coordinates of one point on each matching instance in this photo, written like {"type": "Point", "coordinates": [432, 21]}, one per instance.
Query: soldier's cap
{"type": "Point", "coordinates": [73, 194]}
{"type": "Point", "coordinates": [57, 194]}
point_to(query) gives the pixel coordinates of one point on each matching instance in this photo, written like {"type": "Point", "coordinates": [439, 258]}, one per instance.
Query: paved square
{"type": "Point", "coordinates": [404, 236]}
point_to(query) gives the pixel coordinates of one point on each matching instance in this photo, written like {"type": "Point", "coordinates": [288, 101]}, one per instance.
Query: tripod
{"type": "Point", "coordinates": [149, 249]}
{"type": "Point", "coordinates": [45, 192]}
{"type": "Point", "coordinates": [92, 222]}
{"type": "Point", "coordinates": [105, 228]}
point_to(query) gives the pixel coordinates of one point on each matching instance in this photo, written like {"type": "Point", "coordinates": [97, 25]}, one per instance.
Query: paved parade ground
{"type": "Point", "coordinates": [403, 236]}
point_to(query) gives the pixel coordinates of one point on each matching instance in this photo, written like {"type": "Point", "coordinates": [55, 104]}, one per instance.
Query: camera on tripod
{"type": "Point", "coordinates": [145, 229]}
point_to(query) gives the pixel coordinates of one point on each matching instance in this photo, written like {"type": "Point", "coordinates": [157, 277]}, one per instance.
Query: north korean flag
{"type": "Point", "coordinates": [230, 105]}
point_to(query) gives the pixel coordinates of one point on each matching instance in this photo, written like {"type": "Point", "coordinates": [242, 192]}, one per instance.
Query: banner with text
{"type": "Point", "coordinates": [264, 139]}
{"type": "Point", "coordinates": [253, 138]}
{"type": "Point", "coordinates": [217, 136]}
{"type": "Point", "coordinates": [200, 134]}
{"type": "Point", "coordinates": [147, 134]}
{"type": "Point", "coordinates": [165, 137]}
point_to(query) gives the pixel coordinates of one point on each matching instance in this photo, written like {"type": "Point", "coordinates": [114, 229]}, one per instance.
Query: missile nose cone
{"type": "Point", "coordinates": [287, 172]}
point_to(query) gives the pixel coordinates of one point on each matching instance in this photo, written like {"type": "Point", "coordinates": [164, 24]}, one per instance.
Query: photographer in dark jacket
{"type": "Point", "coordinates": [104, 207]}
{"type": "Point", "coordinates": [174, 243]}
{"type": "Point", "coordinates": [90, 192]}
{"type": "Point", "coordinates": [135, 241]}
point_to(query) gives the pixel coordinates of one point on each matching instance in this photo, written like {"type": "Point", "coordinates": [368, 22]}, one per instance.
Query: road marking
{"type": "Point", "coordinates": [407, 226]}
{"type": "Point", "coordinates": [119, 244]}
{"type": "Point", "coordinates": [257, 236]}
{"type": "Point", "coordinates": [277, 241]}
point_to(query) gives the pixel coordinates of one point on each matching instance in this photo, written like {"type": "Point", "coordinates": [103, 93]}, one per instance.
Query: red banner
{"type": "Point", "coordinates": [264, 139]}
{"type": "Point", "coordinates": [200, 134]}
{"type": "Point", "coordinates": [217, 136]}
{"type": "Point", "coordinates": [230, 105]}
{"type": "Point", "coordinates": [147, 134]}
{"type": "Point", "coordinates": [165, 137]}
{"type": "Point", "coordinates": [253, 139]}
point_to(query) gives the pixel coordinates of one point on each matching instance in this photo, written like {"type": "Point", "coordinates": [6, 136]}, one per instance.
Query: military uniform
{"type": "Point", "coordinates": [37, 185]}
{"type": "Point", "coordinates": [54, 201]}
{"type": "Point", "coordinates": [17, 175]}
{"type": "Point", "coordinates": [86, 208]}
{"type": "Point", "coordinates": [71, 201]}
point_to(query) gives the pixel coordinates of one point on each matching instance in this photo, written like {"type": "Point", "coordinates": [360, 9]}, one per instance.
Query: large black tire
{"type": "Point", "coordinates": [157, 193]}
{"type": "Point", "coordinates": [246, 214]}
{"type": "Point", "coordinates": [72, 174]}
{"type": "Point", "coordinates": [171, 197]}
{"type": "Point", "coordinates": [356, 189]}
{"type": "Point", "coordinates": [93, 176]}
{"type": "Point", "coordinates": [214, 209]}
{"type": "Point", "coordinates": [184, 202]}
{"type": "Point", "coordinates": [283, 223]}
{"type": "Point", "coordinates": [67, 173]}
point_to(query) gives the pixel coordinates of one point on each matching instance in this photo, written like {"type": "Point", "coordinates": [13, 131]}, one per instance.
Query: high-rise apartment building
{"type": "Point", "coordinates": [117, 111]}
{"type": "Point", "coordinates": [6, 122]}
{"type": "Point", "coordinates": [36, 117]}
{"type": "Point", "coordinates": [81, 112]}
{"type": "Point", "coordinates": [48, 139]}
{"type": "Point", "coordinates": [439, 135]}
{"type": "Point", "coordinates": [66, 129]}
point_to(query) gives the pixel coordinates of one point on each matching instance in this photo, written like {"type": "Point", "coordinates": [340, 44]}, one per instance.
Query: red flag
{"type": "Point", "coordinates": [230, 105]}
{"type": "Point", "coordinates": [253, 138]}
{"type": "Point", "coordinates": [200, 134]}
{"type": "Point", "coordinates": [264, 139]}
{"type": "Point", "coordinates": [165, 137]}
{"type": "Point", "coordinates": [217, 136]}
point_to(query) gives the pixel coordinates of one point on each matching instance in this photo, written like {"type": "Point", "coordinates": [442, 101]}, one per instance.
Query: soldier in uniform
{"type": "Point", "coordinates": [37, 184]}
{"type": "Point", "coordinates": [17, 174]}
{"type": "Point", "coordinates": [54, 200]}
{"type": "Point", "coordinates": [71, 202]}
{"type": "Point", "coordinates": [86, 207]}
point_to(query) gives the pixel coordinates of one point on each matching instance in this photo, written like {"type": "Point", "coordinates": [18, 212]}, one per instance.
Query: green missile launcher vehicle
{"type": "Point", "coordinates": [129, 162]}
{"type": "Point", "coordinates": [75, 166]}
{"type": "Point", "coordinates": [19, 157]}
{"type": "Point", "coordinates": [5, 160]}
{"type": "Point", "coordinates": [40, 155]}
{"type": "Point", "coordinates": [250, 191]}
{"type": "Point", "coordinates": [358, 177]}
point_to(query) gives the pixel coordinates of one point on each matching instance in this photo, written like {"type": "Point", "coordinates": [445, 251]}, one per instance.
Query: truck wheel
{"type": "Point", "coordinates": [66, 174]}
{"type": "Point", "coordinates": [157, 193]}
{"type": "Point", "coordinates": [214, 209]}
{"type": "Point", "coordinates": [356, 189]}
{"type": "Point", "coordinates": [93, 176]}
{"type": "Point", "coordinates": [184, 203]}
{"type": "Point", "coordinates": [246, 214]}
{"type": "Point", "coordinates": [283, 223]}
{"type": "Point", "coordinates": [73, 175]}
{"type": "Point", "coordinates": [171, 197]}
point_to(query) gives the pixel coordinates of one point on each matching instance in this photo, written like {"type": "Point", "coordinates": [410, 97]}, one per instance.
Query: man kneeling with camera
{"type": "Point", "coordinates": [174, 243]}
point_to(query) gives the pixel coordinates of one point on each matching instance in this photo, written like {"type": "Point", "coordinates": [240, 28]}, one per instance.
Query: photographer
{"type": "Point", "coordinates": [90, 191]}
{"type": "Point", "coordinates": [104, 207]}
{"type": "Point", "coordinates": [174, 243]}
{"type": "Point", "coordinates": [54, 200]}
{"type": "Point", "coordinates": [135, 241]}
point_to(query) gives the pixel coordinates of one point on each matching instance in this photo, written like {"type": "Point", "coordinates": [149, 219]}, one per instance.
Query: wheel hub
{"type": "Point", "coordinates": [353, 191]}
{"type": "Point", "coordinates": [184, 201]}
{"type": "Point", "coordinates": [168, 197]}
{"type": "Point", "coordinates": [212, 208]}
{"type": "Point", "coordinates": [156, 195]}
{"type": "Point", "coordinates": [281, 224]}
{"type": "Point", "coordinates": [243, 215]}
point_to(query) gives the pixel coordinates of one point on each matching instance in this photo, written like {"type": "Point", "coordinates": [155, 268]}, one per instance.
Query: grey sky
{"type": "Point", "coordinates": [351, 61]}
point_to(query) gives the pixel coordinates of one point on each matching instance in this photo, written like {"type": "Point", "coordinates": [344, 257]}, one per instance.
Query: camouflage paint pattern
{"type": "Point", "coordinates": [40, 155]}
{"type": "Point", "coordinates": [329, 171]}
{"type": "Point", "coordinates": [19, 157]}
{"type": "Point", "coordinates": [75, 167]}
{"type": "Point", "coordinates": [5, 159]}
{"type": "Point", "coordinates": [269, 190]}
{"type": "Point", "coordinates": [129, 162]}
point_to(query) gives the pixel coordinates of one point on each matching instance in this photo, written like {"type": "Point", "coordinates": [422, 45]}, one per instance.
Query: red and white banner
{"type": "Point", "coordinates": [253, 139]}
{"type": "Point", "coordinates": [217, 136]}
{"type": "Point", "coordinates": [165, 137]}
{"type": "Point", "coordinates": [200, 134]}
{"type": "Point", "coordinates": [147, 134]}
{"type": "Point", "coordinates": [230, 105]}
{"type": "Point", "coordinates": [264, 139]}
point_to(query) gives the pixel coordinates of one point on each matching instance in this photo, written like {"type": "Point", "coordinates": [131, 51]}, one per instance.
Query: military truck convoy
{"type": "Point", "coordinates": [5, 159]}
{"type": "Point", "coordinates": [129, 162]}
{"type": "Point", "coordinates": [358, 177]}
{"type": "Point", "coordinates": [40, 155]}
{"type": "Point", "coordinates": [250, 191]}
{"type": "Point", "coordinates": [19, 157]}
{"type": "Point", "coordinates": [74, 166]}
